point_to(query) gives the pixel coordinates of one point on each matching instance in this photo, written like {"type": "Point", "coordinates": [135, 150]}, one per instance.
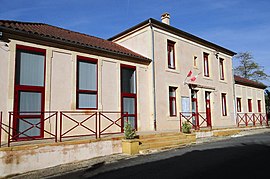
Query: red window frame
{"type": "Point", "coordinates": [79, 91]}
{"type": "Point", "coordinates": [259, 106]}
{"type": "Point", "coordinates": [170, 46]}
{"type": "Point", "coordinates": [27, 88]}
{"type": "Point", "coordinates": [221, 65]}
{"type": "Point", "coordinates": [128, 95]}
{"type": "Point", "coordinates": [172, 100]}
{"type": "Point", "coordinates": [249, 105]}
{"type": "Point", "coordinates": [206, 64]}
{"type": "Point", "coordinates": [224, 104]}
{"type": "Point", "coordinates": [238, 105]}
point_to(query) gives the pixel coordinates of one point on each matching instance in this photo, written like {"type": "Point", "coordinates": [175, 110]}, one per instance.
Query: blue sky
{"type": "Point", "coordinates": [239, 25]}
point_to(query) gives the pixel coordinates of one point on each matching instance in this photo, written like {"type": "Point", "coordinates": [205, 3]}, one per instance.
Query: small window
{"type": "Point", "coordinates": [221, 68]}
{"type": "Point", "coordinates": [259, 106]}
{"type": "Point", "coordinates": [224, 105]}
{"type": "Point", "coordinates": [172, 101]}
{"type": "Point", "coordinates": [86, 83]}
{"type": "Point", "coordinates": [249, 105]}
{"type": "Point", "coordinates": [238, 104]}
{"type": "Point", "coordinates": [206, 64]}
{"type": "Point", "coordinates": [195, 61]}
{"type": "Point", "coordinates": [171, 54]}
{"type": "Point", "coordinates": [128, 80]}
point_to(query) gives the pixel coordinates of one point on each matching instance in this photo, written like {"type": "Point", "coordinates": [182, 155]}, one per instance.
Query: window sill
{"type": "Point", "coordinates": [223, 81]}
{"type": "Point", "coordinates": [173, 71]}
{"type": "Point", "coordinates": [208, 78]}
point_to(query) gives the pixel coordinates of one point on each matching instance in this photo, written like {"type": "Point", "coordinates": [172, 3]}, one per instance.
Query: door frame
{"type": "Point", "coordinates": [208, 110]}
{"type": "Point", "coordinates": [128, 95]}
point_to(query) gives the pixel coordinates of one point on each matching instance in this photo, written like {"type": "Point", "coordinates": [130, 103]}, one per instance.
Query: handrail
{"type": "Point", "coordinates": [196, 120]}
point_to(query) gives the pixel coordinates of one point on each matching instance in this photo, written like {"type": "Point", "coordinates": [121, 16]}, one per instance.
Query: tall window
{"type": "Point", "coordinates": [29, 92]}
{"type": "Point", "coordinates": [86, 83]}
{"type": "Point", "coordinates": [172, 100]}
{"type": "Point", "coordinates": [249, 105]}
{"type": "Point", "coordinates": [238, 104]}
{"type": "Point", "coordinates": [259, 106]}
{"type": "Point", "coordinates": [206, 64]}
{"type": "Point", "coordinates": [224, 105]}
{"type": "Point", "coordinates": [221, 68]}
{"type": "Point", "coordinates": [171, 54]}
{"type": "Point", "coordinates": [128, 94]}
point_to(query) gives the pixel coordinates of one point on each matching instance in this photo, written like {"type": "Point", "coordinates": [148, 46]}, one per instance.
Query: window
{"type": "Point", "coordinates": [29, 93]}
{"type": "Point", "coordinates": [86, 83]}
{"type": "Point", "coordinates": [171, 54]}
{"type": "Point", "coordinates": [195, 61]}
{"type": "Point", "coordinates": [172, 100]}
{"type": "Point", "coordinates": [206, 64]}
{"type": "Point", "coordinates": [238, 104]}
{"type": "Point", "coordinates": [259, 106]}
{"type": "Point", "coordinates": [128, 94]}
{"type": "Point", "coordinates": [249, 105]}
{"type": "Point", "coordinates": [224, 105]}
{"type": "Point", "coordinates": [221, 68]}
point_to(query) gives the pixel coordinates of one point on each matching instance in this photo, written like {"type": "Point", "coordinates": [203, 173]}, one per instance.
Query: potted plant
{"type": "Point", "coordinates": [186, 127]}
{"type": "Point", "coordinates": [130, 145]}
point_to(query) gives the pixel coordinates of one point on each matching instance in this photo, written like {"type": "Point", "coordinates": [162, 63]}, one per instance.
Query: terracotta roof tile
{"type": "Point", "coordinates": [247, 82]}
{"type": "Point", "coordinates": [53, 32]}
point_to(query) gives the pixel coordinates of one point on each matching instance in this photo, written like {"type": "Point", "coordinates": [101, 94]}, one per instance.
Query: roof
{"type": "Point", "coordinates": [247, 82]}
{"type": "Point", "coordinates": [175, 31]}
{"type": "Point", "coordinates": [49, 32]}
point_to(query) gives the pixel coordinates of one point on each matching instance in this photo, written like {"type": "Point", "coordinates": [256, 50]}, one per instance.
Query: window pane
{"type": "Point", "coordinates": [87, 100]}
{"type": "Point", "coordinates": [30, 69]}
{"type": "Point", "coordinates": [128, 80]}
{"type": "Point", "coordinates": [29, 102]}
{"type": "Point", "coordinates": [25, 124]}
{"type": "Point", "coordinates": [129, 105]}
{"type": "Point", "coordinates": [173, 107]}
{"type": "Point", "coordinates": [87, 76]}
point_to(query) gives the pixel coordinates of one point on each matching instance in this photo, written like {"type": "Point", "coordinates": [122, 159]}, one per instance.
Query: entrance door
{"type": "Point", "coordinates": [208, 108]}
{"type": "Point", "coordinates": [194, 105]}
{"type": "Point", "coordinates": [29, 93]}
{"type": "Point", "coordinates": [128, 94]}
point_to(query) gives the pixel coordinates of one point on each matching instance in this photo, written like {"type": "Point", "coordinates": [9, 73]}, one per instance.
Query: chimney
{"type": "Point", "coordinates": [165, 18]}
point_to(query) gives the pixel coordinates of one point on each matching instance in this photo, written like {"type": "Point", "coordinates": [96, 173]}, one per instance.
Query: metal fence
{"type": "Point", "coordinates": [251, 119]}
{"type": "Point", "coordinates": [196, 120]}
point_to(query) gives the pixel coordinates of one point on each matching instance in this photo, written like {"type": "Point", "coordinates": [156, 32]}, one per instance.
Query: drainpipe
{"type": "Point", "coordinates": [234, 98]}
{"type": "Point", "coordinates": [153, 75]}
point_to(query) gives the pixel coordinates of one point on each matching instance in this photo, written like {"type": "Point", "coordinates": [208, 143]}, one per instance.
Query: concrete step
{"type": "Point", "coordinates": [163, 138]}
{"type": "Point", "coordinates": [163, 144]}
{"type": "Point", "coordinates": [145, 136]}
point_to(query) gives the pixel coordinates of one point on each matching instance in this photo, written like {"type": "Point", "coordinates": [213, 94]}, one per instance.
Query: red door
{"type": "Point", "coordinates": [208, 108]}
{"type": "Point", "coordinates": [29, 93]}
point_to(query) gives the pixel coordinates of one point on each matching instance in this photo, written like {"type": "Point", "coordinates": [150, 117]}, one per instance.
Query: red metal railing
{"type": "Point", "coordinates": [251, 119]}
{"type": "Point", "coordinates": [196, 120]}
{"type": "Point", "coordinates": [87, 125]}
{"type": "Point", "coordinates": [46, 118]}
{"type": "Point", "coordinates": [111, 122]}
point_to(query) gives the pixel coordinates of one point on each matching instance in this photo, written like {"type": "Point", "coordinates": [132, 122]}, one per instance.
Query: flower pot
{"type": "Point", "coordinates": [130, 146]}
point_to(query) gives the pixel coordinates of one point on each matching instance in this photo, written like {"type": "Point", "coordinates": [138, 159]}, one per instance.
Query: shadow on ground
{"type": "Point", "coordinates": [245, 161]}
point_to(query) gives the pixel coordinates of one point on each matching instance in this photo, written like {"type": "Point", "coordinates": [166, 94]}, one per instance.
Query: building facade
{"type": "Point", "coordinates": [153, 75]}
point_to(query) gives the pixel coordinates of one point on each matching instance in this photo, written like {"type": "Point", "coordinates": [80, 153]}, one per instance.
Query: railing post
{"type": "Point", "coordinates": [61, 118]}
{"type": "Point", "coordinates": [254, 122]}
{"type": "Point", "coordinates": [1, 127]}
{"type": "Point", "coordinates": [180, 121]}
{"type": "Point", "coordinates": [9, 123]}
{"type": "Point", "coordinates": [96, 125]}
{"type": "Point", "coordinates": [246, 119]}
{"type": "Point", "coordinates": [266, 117]}
{"type": "Point", "coordinates": [197, 121]}
{"type": "Point", "coordinates": [99, 124]}
{"type": "Point", "coordinates": [56, 118]}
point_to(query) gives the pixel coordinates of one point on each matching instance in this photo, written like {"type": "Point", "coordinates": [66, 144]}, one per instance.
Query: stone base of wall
{"type": "Point", "coordinates": [21, 159]}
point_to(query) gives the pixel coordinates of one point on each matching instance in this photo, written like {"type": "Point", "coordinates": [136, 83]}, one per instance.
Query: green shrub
{"type": "Point", "coordinates": [129, 132]}
{"type": "Point", "coordinates": [186, 127]}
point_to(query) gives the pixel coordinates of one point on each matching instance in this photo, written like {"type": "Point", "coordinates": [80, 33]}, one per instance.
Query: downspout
{"type": "Point", "coordinates": [153, 75]}
{"type": "Point", "coordinates": [234, 98]}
